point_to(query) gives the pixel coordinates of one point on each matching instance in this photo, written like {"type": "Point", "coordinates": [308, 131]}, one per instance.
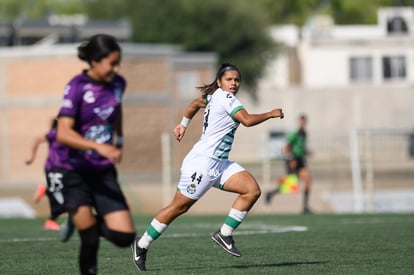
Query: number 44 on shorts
{"type": "Point", "coordinates": [196, 178]}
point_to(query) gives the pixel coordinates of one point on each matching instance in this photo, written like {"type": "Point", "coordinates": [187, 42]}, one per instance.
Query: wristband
{"type": "Point", "coordinates": [119, 141]}
{"type": "Point", "coordinates": [185, 121]}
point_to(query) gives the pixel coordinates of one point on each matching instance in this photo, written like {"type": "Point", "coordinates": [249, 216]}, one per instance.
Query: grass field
{"type": "Point", "coordinates": [270, 244]}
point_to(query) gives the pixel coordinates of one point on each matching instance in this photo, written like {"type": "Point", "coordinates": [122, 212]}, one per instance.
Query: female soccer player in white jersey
{"type": "Point", "coordinates": [207, 164]}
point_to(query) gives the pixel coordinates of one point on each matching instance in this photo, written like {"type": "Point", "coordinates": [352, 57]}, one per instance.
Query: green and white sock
{"type": "Point", "coordinates": [233, 220]}
{"type": "Point", "coordinates": [154, 230]}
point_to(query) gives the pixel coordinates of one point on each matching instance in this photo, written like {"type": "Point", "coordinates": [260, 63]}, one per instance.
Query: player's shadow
{"type": "Point", "coordinates": [246, 266]}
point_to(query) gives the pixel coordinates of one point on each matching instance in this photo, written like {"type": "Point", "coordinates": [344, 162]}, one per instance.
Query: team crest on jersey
{"type": "Point", "coordinates": [191, 189]}
{"type": "Point", "coordinates": [103, 113]}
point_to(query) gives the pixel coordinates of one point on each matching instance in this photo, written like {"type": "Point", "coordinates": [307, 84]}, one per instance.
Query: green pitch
{"type": "Point", "coordinates": [270, 244]}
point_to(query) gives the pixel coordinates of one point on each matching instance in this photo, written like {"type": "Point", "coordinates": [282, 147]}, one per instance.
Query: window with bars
{"type": "Point", "coordinates": [360, 69]}
{"type": "Point", "coordinates": [394, 67]}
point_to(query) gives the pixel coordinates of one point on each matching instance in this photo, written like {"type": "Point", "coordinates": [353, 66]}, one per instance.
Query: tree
{"type": "Point", "coordinates": [361, 12]}
{"type": "Point", "coordinates": [236, 30]}
{"type": "Point", "coordinates": [291, 11]}
{"type": "Point", "coordinates": [108, 9]}
{"type": "Point", "coordinates": [343, 11]}
{"type": "Point", "coordinates": [34, 10]}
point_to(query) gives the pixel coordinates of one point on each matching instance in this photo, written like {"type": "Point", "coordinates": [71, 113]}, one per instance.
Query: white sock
{"type": "Point", "coordinates": [226, 230]}
{"type": "Point", "coordinates": [145, 241]}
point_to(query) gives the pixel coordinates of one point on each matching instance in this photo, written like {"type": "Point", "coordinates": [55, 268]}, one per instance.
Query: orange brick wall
{"type": "Point", "coordinates": [145, 75]}
{"type": "Point", "coordinates": [33, 89]}
{"type": "Point", "coordinates": [32, 77]}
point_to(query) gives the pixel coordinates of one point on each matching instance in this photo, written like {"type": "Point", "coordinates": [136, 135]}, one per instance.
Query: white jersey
{"type": "Point", "coordinates": [219, 125]}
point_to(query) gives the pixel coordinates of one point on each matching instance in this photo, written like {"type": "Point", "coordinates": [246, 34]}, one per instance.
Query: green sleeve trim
{"type": "Point", "coordinates": [236, 110]}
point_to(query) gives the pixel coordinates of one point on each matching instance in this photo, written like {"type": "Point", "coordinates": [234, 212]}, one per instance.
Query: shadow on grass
{"type": "Point", "coordinates": [247, 266]}
{"type": "Point", "coordinates": [278, 264]}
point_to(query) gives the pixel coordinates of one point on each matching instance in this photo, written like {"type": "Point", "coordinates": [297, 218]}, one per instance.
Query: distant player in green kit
{"type": "Point", "coordinates": [295, 154]}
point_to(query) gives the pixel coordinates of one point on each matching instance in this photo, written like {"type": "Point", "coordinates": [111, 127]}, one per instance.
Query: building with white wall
{"type": "Point", "coordinates": [355, 83]}
{"type": "Point", "coordinates": [322, 54]}
{"type": "Point", "coordinates": [343, 77]}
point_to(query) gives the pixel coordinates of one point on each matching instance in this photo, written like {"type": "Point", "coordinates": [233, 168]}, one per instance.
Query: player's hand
{"type": "Point", "coordinates": [110, 152]}
{"type": "Point", "coordinates": [278, 113]}
{"type": "Point", "coordinates": [179, 132]}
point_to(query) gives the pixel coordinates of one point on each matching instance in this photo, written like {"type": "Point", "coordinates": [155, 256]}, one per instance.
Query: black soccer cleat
{"type": "Point", "coordinates": [226, 242]}
{"type": "Point", "coordinates": [66, 229]}
{"type": "Point", "coordinates": [139, 255]}
{"type": "Point", "coordinates": [268, 198]}
{"type": "Point", "coordinates": [307, 210]}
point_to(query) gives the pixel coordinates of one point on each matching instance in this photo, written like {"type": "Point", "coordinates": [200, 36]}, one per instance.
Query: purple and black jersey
{"type": "Point", "coordinates": [95, 107]}
{"type": "Point", "coordinates": [58, 154]}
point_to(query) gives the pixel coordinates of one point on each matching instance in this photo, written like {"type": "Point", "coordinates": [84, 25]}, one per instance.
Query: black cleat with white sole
{"type": "Point", "coordinates": [226, 242]}
{"type": "Point", "coordinates": [139, 255]}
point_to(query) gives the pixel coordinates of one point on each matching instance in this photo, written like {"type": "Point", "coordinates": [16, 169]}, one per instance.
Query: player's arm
{"type": "Point", "coordinates": [287, 149]}
{"type": "Point", "coordinates": [69, 137]}
{"type": "Point", "coordinates": [33, 151]}
{"type": "Point", "coordinates": [189, 113]}
{"type": "Point", "coordinates": [249, 120]}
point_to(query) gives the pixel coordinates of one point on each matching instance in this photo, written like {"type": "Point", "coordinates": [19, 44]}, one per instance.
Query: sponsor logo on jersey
{"type": "Point", "coordinates": [103, 113]}
{"type": "Point", "coordinates": [89, 97]}
{"type": "Point", "coordinates": [213, 173]}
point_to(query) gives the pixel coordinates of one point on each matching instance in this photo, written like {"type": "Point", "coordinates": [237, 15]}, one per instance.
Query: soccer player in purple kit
{"type": "Point", "coordinates": [56, 159]}
{"type": "Point", "coordinates": [90, 125]}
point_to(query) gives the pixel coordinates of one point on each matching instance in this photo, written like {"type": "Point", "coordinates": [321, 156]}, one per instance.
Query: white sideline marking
{"type": "Point", "coordinates": [363, 221]}
{"type": "Point", "coordinates": [24, 240]}
{"type": "Point", "coordinates": [247, 229]}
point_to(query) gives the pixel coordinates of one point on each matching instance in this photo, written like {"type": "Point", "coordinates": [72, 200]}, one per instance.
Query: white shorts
{"type": "Point", "coordinates": [199, 173]}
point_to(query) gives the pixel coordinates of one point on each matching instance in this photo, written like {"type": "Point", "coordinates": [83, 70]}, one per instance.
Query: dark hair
{"type": "Point", "coordinates": [54, 123]}
{"type": "Point", "coordinates": [97, 47]}
{"type": "Point", "coordinates": [210, 88]}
